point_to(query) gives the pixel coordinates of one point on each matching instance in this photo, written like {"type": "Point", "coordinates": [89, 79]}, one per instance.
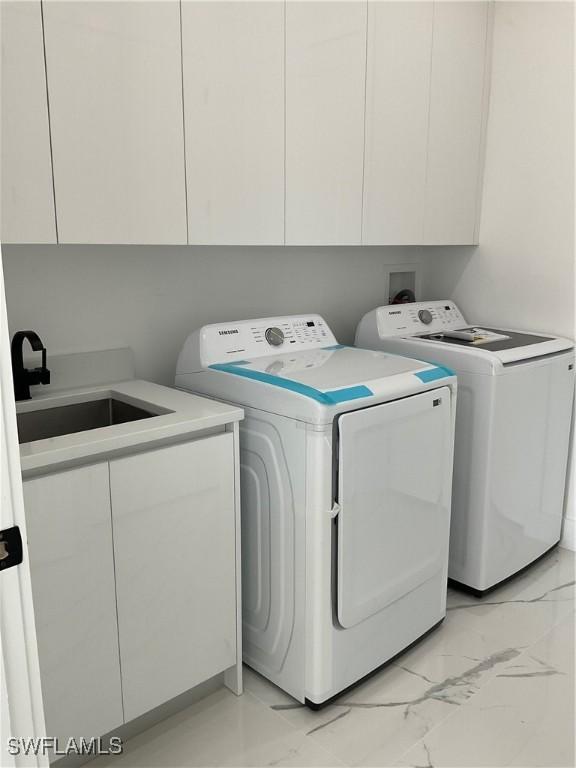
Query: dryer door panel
{"type": "Point", "coordinates": [394, 489]}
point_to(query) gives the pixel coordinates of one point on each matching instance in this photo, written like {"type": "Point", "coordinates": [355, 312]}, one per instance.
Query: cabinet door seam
{"type": "Point", "coordinates": [116, 591]}
{"type": "Point", "coordinates": [426, 166]}
{"type": "Point", "coordinates": [49, 120]}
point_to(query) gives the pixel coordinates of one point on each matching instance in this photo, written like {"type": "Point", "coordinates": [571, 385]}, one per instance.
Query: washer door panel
{"type": "Point", "coordinates": [394, 488]}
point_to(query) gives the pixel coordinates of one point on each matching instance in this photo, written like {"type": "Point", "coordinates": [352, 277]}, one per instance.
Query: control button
{"type": "Point", "coordinates": [274, 337]}
{"type": "Point", "coordinates": [424, 314]}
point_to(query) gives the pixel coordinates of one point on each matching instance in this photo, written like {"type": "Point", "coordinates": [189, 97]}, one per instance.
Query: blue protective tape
{"type": "Point", "coordinates": [440, 372]}
{"type": "Point", "coordinates": [336, 346]}
{"type": "Point", "coordinates": [333, 397]}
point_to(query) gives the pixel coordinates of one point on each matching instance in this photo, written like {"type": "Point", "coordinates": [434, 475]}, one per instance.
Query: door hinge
{"type": "Point", "coordinates": [336, 509]}
{"type": "Point", "coordinates": [10, 548]}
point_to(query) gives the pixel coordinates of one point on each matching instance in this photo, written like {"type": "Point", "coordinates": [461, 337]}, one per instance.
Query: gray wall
{"type": "Point", "coordinates": [150, 297]}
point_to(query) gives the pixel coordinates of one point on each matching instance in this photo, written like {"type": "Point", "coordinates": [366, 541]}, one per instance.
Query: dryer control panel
{"type": "Point", "coordinates": [264, 336]}
{"type": "Point", "coordinates": [418, 318]}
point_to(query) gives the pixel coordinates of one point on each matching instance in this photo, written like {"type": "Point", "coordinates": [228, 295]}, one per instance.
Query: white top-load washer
{"type": "Point", "coordinates": [346, 473]}
{"type": "Point", "coordinates": [515, 396]}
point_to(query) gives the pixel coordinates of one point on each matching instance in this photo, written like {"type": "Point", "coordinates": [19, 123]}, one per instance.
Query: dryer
{"type": "Point", "coordinates": [346, 469]}
{"type": "Point", "coordinates": [515, 399]}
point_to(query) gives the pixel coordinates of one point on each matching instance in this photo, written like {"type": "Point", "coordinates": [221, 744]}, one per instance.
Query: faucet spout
{"type": "Point", "coordinates": [24, 377]}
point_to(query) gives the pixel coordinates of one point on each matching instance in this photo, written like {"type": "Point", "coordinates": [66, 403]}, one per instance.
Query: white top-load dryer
{"type": "Point", "coordinates": [346, 472]}
{"type": "Point", "coordinates": [515, 396]}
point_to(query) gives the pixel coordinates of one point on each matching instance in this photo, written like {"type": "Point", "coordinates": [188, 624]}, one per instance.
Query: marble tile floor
{"type": "Point", "coordinates": [493, 686]}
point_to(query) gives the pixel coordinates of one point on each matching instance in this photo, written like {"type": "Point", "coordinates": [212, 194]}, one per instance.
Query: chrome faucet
{"type": "Point", "coordinates": [24, 377]}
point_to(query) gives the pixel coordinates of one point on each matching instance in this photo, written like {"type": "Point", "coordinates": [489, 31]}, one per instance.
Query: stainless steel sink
{"type": "Point", "coordinates": [79, 417]}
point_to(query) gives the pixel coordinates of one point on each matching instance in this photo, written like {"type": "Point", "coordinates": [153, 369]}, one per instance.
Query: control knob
{"type": "Point", "coordinates": [425, 316]}
{"type": "Point", "coordinates": [274, 337]}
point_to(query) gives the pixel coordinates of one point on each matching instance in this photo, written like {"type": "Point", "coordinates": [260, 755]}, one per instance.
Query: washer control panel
{"type": "Point", "coordinates": [267, 336]}
{"type": "Point", "coordinates": [419, 318]}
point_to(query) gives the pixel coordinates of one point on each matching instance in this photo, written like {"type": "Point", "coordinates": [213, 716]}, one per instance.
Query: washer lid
{"type": "Point", "coordinates": [490, 339]}
{"type": "Point", "coordinates": [505, 345]}
{"type": "Point", "coordinates": [334, 374]}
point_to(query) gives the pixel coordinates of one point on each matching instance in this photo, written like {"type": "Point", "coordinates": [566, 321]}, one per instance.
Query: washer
{"type": "Point", "coordinates": [515, 401]}
{"type": "Point", "coordinates": [346, 470]}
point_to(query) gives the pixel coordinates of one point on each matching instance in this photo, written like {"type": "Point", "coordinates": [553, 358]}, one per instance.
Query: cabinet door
{"type": "Point", "coordinates": [456, 121]}
{"type": "Point", "coordinates": [233, 69]}
{"type": "Point", "coordinates": [115, 89]}
{"type": "Point", "coordinates": [72, 570]}
{"type": "Point", "coordinates": [173, 518]}
{"type": "Point", "coordinates": [27, 213]}
{"type": "Point", "coordinates": [397, 102]}
{"type": "Point", "coordinates": [325, 83]}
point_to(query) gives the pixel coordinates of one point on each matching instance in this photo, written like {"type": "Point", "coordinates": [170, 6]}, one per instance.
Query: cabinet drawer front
{"type": "Point", "coordinates": [72, 570]}
{"type": "Point", "coordinates": [174, 544]}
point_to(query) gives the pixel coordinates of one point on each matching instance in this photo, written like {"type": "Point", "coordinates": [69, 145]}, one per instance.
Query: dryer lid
{"type": "Point", "coordinates": [333, 374]}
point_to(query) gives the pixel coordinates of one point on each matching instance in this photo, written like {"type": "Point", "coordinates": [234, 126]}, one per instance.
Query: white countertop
{"type": "Point", "coordinates": [181, 414]}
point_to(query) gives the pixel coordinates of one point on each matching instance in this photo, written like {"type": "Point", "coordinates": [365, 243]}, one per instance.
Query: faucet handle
{"type": "Point", "coordinates": [43, 372]}
{"type": "Point", "coordinates": [40, 375]}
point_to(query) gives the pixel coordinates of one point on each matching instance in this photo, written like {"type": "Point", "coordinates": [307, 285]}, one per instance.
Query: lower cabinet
{"type": "Point", "coordinates": [133, 565]}
{"type": "Point", "coordinates": [173, 520]}
{"type": "Point", "coordinates": [72, 569]}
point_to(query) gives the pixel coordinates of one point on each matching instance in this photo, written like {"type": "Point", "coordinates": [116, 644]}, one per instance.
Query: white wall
{"type": "Point", "coordinates": [522, 274]}
{"type": "Point", "coordinates": [149, 298]}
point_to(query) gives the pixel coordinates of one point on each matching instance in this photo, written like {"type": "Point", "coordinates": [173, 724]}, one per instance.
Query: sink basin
{"type": "Point", "coordinates": [79, 417]}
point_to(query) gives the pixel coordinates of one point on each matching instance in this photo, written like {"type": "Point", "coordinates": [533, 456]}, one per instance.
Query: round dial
{"type": "Point", "coordinates": [425, 316]}
{"type": "Point", "coordinates": [274, 337]}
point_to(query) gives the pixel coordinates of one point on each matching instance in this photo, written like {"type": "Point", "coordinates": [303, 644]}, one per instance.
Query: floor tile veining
{"type": "Point", "coordinates": [493, 686]}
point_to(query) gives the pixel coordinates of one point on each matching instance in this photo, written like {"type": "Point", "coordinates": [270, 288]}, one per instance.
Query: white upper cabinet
{"type": "Point", "coordinates": [457, 111]}
{"type": "Point", "coordinates": [325, 85]}
{"type": "Point", "coordinates": [27, 213]}
{"type": "Point", "coordinates": [115, 93]}
{"type": "Point", "coordinates": [242, 122]}
{"type": "Point", "coordinates": [426, 98]}
{"type": "Point", "coordinates": [233, 69]}
{"type": "Point", "coordinates": [397, 106]}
